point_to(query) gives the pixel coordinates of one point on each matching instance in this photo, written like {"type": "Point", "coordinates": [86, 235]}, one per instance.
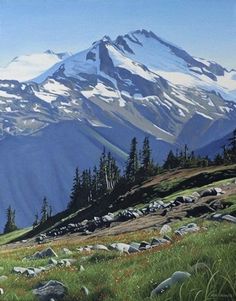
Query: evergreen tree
{"type": "Point", "coordinates": [232, 147]}
{"type": "Point", "coordinates": [75, 191]}
{"type": "Point", "coordinates": [132, 164]}
{"type": "Point", "coordinates": [44, 210]}
{"type": "Point", "coordinates": [146, 154]}
{"type": "Point", "coordinates": [218, 160]}
{"type": "Point", "coordinates": [102, 174]}
{"type": "Point", "coordinates": [171, 161]}
{"type": "Point", "coordinates": [10, 224]}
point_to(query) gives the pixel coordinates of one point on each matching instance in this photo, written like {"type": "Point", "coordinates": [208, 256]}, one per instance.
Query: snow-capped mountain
{"type": "Point", "coordinates": [26, 67]}
{"type": "Point", "coordinates": [135, 85]}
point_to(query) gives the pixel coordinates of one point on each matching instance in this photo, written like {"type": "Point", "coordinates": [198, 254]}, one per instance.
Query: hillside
{"type": "Point", "coordinates": [205, 252]}
{"type": "Point", "coordinates": [137, 84]}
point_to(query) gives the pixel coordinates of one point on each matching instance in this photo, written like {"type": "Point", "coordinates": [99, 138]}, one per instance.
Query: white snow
{"type": "Point", "coordinates": [26, 67]}
{"type": "Point", "coordinates": [204, 115]}
{"type": "Point", "coordinates": [8, 95]}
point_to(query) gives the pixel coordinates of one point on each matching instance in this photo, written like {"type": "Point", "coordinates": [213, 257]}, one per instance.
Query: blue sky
{"type": "Point", "coordinates": [205, 28]}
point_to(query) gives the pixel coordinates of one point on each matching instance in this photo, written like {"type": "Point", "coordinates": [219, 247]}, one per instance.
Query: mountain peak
{"type": "Point", "coordinates": [49, 51]}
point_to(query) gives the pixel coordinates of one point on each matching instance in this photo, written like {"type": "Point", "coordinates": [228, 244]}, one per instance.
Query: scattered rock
{"type": "Point", "coordinates": [192, 227]}
{"type": "Point", "coordinates": [177, 277]}
{"type": "Point", "coordinates": [49, 252]}
{"type": "Point", "coordinates": [229, 218]}
{"type": "Point", "coordinates": [223, 217]}
{"type": "Point", "coordinates": [99, 247]}
{"type": "Point", "coordinates": [211, 192]}
{"type": "Point", "coordinates": [51, 290]}
{"type": "Point", "coordinates": [159, 241]}
{"type": "Point", "coordinates": [166, 229]}
{"type": "Point", "coordinates": [1, 291]}
{"type": "Point", "coordinates": [67, 251]}
{"type": "Point", "coordinates": [85, 291]}
{"type": "Point", "coordinates": [52, 261]}
{"type": "Point", "coordinates": [19, 270]}
{"type": "Point", "coordinates": [3, 278]}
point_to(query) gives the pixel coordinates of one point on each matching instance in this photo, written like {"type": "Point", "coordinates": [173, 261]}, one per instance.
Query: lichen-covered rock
{"type": "Point", "coordinates": [51, 290]}
{"type": "Point", "coordinates": [177, 277]}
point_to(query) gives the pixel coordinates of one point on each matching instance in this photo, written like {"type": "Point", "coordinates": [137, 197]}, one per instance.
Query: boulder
{"type": "Point", "coordinates": [50, 290]}
{"type": "Point", "coordinates": [67, 251]}
{"type": "Point", "coordinates": [19, 270]}
{"type": "Point", "coordinates": [190, 228]}
{"type": "Point", "coordinates": [3, 278]}
{"type": "Point", "coordinates": [84, 291]}
{"type": "Point", "coordinates": [166, 229]}
{"type": "Point", "coordinates": [123, 247]}
{"type": "Point", "coordinates": [159, 241]}
{"type": "Point", "coordinates": [177, 277]}
{"type": "Point", "coordinates": [100, 247]}
{"type": "Point", "coordinates": [229, 218]}
{"type": "Point", "coordinates": [211, 192]}
{"type": "Point", "coordinates": [49, 252]}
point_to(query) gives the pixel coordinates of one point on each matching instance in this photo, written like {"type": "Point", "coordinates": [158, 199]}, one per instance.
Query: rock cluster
{"type": "Point", "coordinates": [88, 226]}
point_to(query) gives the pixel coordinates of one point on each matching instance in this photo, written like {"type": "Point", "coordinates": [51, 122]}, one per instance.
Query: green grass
{"type": "Point", "coordinates": [5, 238]}
{"type": "Point", "coordinates": [111, 276]}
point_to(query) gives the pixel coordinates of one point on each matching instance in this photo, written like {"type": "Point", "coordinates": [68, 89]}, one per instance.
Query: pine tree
{"type": "Point", "coordinates": [146, 154]}
{"type": "Point", "coordinates": [102, 174]}
{"type": "Point", "coordinates": [232, 148]}
{"type": "Point", "coordinates": [44, 211]}
{"type": "Point", "coordinates": [132, 164]}
{"type": "Point", "coordinates": [171, 161]}
{"type": "Point", "coordinates": [10, 224]}
{"type": "Point", "coordinates": [75, 191]}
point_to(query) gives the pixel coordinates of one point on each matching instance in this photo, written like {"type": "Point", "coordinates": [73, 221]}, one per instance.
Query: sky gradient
{"type": "Point", "coordinates": [204, 28]}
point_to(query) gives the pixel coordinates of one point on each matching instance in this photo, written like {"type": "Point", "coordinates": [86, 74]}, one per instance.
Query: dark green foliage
{"type": "Point", "coordinates": [132, 164]}
{"type": "Point", "coordinates": [44, 210]}
{"type": "Point", "coordinates": [89, 186]}
{"type": "Point", "coordinates": [10, 224]}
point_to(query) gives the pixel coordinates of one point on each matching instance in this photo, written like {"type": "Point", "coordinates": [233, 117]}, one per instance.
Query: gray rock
{"type": "Point", "coordinates": [177, 277]}
{"type": "Point", "coordinates": [190, 228]}
{"type": "Point", "coordinates": [52, 261]}
{"type": "Point", "coordinates": [159, 241]}
{"type": "Point", "coordinates": [85, 291]}
{"type": "Point", "coordinates": [49, 252]}
{"type": "Point", "coordinates": [100, 247]}
{"type": "Point", "coordinates": [51, 290]}
{"type": "Point", "coordinates": [1, 291]}
{"type": "Point", "coordinates": [211, 191]}
{"type": "Point", "coordinates": [3, 278]}
{"type": "Point", "coordinates": [67, 251]}
{"type": "Point", "coordinates": [135, 245]}
{"type": "Point", "coordinates": [124, 248]}
{"type": "Point", "coordinates": [166, 229]}
{"type": "Point", "coordinates": [19, 270]}
{"type": "Point", "coordinates": [229, 218]}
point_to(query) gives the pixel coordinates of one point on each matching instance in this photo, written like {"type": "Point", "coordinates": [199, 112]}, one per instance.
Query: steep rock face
{"type": "Point", "coordinates": [136, 85]}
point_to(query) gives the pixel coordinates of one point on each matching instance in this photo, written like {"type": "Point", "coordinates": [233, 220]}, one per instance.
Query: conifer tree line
{"type": "Point", "coordinates": [88, 186]}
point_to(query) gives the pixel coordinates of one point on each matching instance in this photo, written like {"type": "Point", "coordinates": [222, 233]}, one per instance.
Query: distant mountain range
{"type": "Point", "coordinates": [58, 110]}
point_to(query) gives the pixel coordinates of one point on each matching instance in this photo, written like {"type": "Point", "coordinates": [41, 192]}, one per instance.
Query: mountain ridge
{"type": "Point", "coordinates": [113, 91]}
